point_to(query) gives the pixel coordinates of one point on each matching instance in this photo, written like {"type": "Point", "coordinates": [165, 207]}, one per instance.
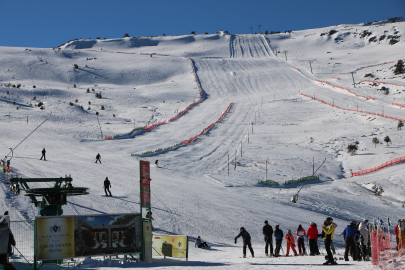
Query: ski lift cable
{"type": "Point", "coordinates": [311, 175]}
{"type": "Point", "coordinates": [31, 133]}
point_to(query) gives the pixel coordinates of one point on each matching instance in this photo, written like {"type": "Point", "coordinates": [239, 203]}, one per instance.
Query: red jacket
{"type": "Point", "coordinates": [312, 232]}
{"type": "Point", "coordinates": [396, 230]}
{"type": "Point", "coordinates": [290, 238]}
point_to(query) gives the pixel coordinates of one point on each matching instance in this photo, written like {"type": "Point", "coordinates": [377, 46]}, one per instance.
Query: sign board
{"type": "Point", "coordinates": [170, 246]}
{"type": "Point", "coordinates": [147, 237]}
{"type": "Point", "coordinates": [145, 184]}
{"type": "Point", "coordinates": [83, 236]}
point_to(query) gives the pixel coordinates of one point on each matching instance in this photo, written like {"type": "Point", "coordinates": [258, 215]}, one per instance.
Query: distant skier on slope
{"type": "Point", "coordinates": [246, 241]}
{"type": "Point", "coordinates": [278, 235]}
{"type": "Point", "coordinates": [98, 158]}
{"type": "Point", "coordinates": [328, 229]}
{"type": "Point", "coordinates": [268, 238]}
{"type": "Point", "coordinates": [43, 154]}
{"type": "Point", "coordinates": [107, 186]}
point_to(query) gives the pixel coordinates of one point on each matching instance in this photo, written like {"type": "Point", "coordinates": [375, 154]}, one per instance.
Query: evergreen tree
{"type": "Point", "coordinates": [351, 149]}
{"type": "Point", "coordinates": [387, 140]}
{"type": "Point", "coordinates": [375, 141]}
{"type": "Point", "coordinates": [399, 67]}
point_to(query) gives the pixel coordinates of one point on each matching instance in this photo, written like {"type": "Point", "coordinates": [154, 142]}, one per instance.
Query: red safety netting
{"type": "Point", "coordinates": [388, 163]}
{"type": "Point", "coordinates": [209, 127]}
{"type": "Point", "coordinates": [345, 89]}
{"type": "Point", "coordinates": [374, 81]}
{"type": "Point", "coordinates": [377, 65]}
{"type": "Point", "coordinates": [385, 254]}
{"type": "Point", "coordinates": [399, 105]}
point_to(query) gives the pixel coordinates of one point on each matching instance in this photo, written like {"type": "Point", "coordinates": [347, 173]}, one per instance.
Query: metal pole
{"type": "Point", "coordinates": [241, 149]}
{"type": "Point", "coordinates": [313, 166]}
{"type": "Point", "coordinates": [285, 52]}
{"type": "Point", "coordinates": [383, 110]}
{"type": "Point", "coordinates": [235, 159]}
{"type": "Point", "coordinates": [354, 84]}
{"type": "Point", "coordinates": [266, 170]}
{"type": "Point", "coordinates": [252, 129]}
{"type": "Point", "coordinates": [310, 65]}
{"type": "Point", "coordinates": [275, 49]}
{"type": "Point", "coordinates": [228, 164]}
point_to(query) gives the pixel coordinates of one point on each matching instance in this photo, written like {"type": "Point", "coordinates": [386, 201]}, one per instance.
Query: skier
{"type": "Point", "coordinates": [349, 233]}
{"type": "Point", "coordinates": [98, 158]}
{"type": "Point", "coordinates": [107, 186]}
{"type": "Point", "coordinates": [312, 233]}
{"type": "Point", "coordinates": [200, 244]}
{"type": "Point", "coordinates": [290, 243]}
{"type": "Point", "coordinates": [278, 235]}
{"type": "Point", "coordinates": [301, 244]}
{"type": "Point", "coordinates": [246, 241]}
{"type": "Point", "coordinates": [43, 154]}
{"type": "Point", "coordinates": [268, 238]}
{"type": "Point", "coordinates": [396, 231]}
{"type": "Point", "coordinates": [328, 229]}
{"type": "Point", "coordinates": [157, 163]}
{"type": "Point", "coordinates": [6, 237]}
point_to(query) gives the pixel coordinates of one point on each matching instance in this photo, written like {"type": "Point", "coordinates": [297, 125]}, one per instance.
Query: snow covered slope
{"type": "Point", "coordinates": [146, 80]}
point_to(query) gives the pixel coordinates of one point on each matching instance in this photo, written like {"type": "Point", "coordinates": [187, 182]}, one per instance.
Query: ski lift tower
{"type": "Point", "coordinates": [52, 198]}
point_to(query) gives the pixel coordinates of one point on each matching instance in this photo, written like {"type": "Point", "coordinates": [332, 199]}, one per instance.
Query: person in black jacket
{"type": "Point", "coordinates": [107, 186]}
{"type": "Point", "coordinates": [246, 241]}
{"type": "Point", "coordinates": [278, 235]}
{"type": "Point", "coordinates": [98, 158]}
{"type": "Point", "coordinates": [43, 154]}
{"type": "Point", "coordinates": [6, 237]}
{"type": "Point", "coordinates": [268, 238]}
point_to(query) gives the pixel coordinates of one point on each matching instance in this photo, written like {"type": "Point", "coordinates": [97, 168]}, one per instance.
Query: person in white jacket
{"type": "Point", "coordinates": [364, 235]}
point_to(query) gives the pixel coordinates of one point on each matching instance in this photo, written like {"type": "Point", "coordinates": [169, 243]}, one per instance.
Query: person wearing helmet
{"type": "Point", "coordinates": [107, 186]}
{"type": "Point", "coordinates": [328, 229]}
{"type": "Point", "coordinates": [246, 241]}
{"type": "Point", "coordinates": [348, 234]}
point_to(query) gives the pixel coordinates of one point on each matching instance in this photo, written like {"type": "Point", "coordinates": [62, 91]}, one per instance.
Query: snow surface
{"type": "Point", "coordinates": [145, 80]}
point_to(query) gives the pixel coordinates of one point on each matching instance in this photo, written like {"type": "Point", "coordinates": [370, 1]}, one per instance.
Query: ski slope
{"type": "Point", "coordinates": [146, 80]}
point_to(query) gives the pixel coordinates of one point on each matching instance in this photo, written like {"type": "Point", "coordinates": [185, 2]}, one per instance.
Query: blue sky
{"type": "Point", "coordinates": [45, 23]}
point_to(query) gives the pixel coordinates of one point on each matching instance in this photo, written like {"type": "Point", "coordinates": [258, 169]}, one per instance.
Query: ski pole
{"type": "Point", "coordinates": [21, 254]}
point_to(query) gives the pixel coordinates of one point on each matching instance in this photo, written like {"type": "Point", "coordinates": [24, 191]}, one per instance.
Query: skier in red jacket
{"type": "Point", "coordinates": [396, 231]}
{"type": "Point", "coordinates": [312, 233]}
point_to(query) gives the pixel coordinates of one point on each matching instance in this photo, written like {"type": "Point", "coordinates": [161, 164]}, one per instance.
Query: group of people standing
{"type": "Point", "coordinates": [356, 236]}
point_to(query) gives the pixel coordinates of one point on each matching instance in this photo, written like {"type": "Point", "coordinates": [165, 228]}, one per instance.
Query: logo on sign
{"type": "Point", "coordinates": [55, 228]}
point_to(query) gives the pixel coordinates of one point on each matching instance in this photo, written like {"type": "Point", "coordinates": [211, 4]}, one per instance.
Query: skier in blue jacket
{"type": "Point", "coordinates": [349, 233]}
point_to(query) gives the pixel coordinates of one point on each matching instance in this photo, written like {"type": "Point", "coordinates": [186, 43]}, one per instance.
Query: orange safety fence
{"type": "Point", "coordinates": [352, 110]}
{"type": "Point", "coordinates": [388, 163]}
{"type": "Point", "coordinates": [345, 89]}
{"type": "Point", "coordinates": [399, 105]}
{"type": "Point", "coordinates": [385, 254]}
{"type": "Point", "coordinates": [385, 63]}
{"type": "Point", "coordinates": [209, 127]}
{"type": "Point", "coordinates": [374, 81]}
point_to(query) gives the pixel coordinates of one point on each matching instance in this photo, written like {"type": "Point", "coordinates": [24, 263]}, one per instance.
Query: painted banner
{"type": "Point", "coordinates": [147, 238]}
{"type": "Point", "coordinates": [145, 183]}
{"type": "Point", "coordinates": [82, 236]}
{"type": "Point", "coordinates": [170, 246]}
